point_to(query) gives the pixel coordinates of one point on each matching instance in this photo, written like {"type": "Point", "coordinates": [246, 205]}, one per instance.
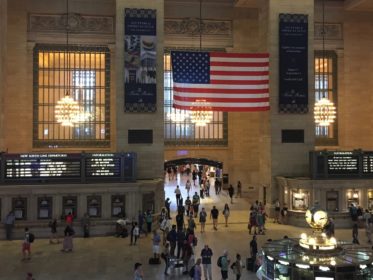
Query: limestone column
{"type": "Point", "coordinates": [3, 54]}
{"type": "Point", "coordinates": [285, 159]}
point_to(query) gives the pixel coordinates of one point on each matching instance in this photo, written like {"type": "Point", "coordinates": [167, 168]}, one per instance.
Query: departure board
{"type": "Point", "coordinates": [368, 163]}
{"type": "Point", "coordinates": [103, 165]}
{"type": "Point", "coordinates": [39, 166]}
{"type": "Point", "coordinates": [340, 163]}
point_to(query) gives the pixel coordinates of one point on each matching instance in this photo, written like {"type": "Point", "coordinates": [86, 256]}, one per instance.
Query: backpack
{"type": "Point", "coordinates": [219, 261]}
{"type": "Point", "coordinates": [191, 271]}
{"type": "Point", "coordinates": [31, 237]}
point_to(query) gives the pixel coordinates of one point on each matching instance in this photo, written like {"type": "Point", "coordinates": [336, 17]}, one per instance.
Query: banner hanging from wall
{"type": "Point", "coordinates": [293, 55]}
{"type": "Point", "coordinates": [140, 57]}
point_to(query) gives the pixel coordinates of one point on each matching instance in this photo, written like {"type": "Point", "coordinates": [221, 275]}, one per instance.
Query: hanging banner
{"type": "Point", "coordinates": [140, 57]}
{"type": "Point", "coordinates": [293, 55]}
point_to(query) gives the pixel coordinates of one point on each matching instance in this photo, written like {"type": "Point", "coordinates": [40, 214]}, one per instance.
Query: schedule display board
{"type": "Point", "coordinates": [39, 166]}
{"type": "Point", "coordinates": [103, 165]}
{"type": "Point", "coordinates": [341, 164]}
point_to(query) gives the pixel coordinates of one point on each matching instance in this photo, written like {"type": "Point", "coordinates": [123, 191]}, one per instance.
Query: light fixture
{"type": "Point", "coordinates": [178, 116]}
{"type": "Point", "coordinates": [201, 113]}
{"type": "Point", "coordinates": [67, 111]}
{"type": "Point", "coordinates": [324, 110]}
{"type": "Point", "coordinates": [355, 194]}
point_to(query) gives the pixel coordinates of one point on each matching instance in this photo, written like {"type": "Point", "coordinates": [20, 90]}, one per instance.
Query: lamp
{"type": "Point", "coordinates": [201, 113]}
{"type": "Point", "coordinates": [324, 110]}
{"type": "Point", "coordinates": [67, 111]}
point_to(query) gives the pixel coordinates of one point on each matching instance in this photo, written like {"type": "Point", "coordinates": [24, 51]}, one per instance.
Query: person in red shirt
{"type": "Point", "coordinates": [69, 219]}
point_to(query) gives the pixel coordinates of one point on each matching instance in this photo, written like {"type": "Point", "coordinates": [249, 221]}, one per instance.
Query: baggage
{"type": "Point", "coordinates": [249, 264]}
{"type": "Point", "coordinates": [154, 261]}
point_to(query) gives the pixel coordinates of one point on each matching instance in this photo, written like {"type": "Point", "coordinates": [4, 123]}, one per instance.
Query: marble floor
{"type": "Point", "coordinates": [113, 258]}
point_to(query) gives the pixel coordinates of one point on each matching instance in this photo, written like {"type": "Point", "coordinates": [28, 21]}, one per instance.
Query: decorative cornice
{"type": "Point", "coordinates": [191, 27]}
{"type": "Point", "coordinates": [333, 31]}
{"type": "Point", "coordinates": [77, 23]}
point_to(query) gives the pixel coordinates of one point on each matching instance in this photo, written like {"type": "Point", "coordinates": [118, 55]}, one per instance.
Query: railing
{"type": "Point", "coordinates": [60, 167]}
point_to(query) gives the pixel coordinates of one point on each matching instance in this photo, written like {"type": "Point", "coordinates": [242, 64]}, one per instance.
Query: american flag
{"type": "Point", "coordinates": [228, 82]}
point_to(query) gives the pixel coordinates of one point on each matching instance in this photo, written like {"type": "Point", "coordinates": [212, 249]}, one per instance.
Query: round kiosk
{"type": "Point", "coordinates": [315, 256]}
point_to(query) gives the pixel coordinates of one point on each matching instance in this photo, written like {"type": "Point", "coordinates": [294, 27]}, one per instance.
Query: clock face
{"type": "Point", "coordinates": [320, 218]}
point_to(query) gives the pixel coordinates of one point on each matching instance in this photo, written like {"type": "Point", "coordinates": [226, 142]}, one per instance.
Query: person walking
{"type": "Point", "coordinates": [140, 222]}
{"type": "Point", "coordinates": [202, 219]}
{"type": "Point", "coordinates": [197, 270]}
{"type": "Point", "coordinates": [53, 239]}
{"type": "Point", "coordinates": [180, 241]}
{"type": "Point", "coordinates": [237, 267]}
{"type": "Point", "coordinates": [195, 202]}
{"type": "Point", "coordinates": [149, 220]}
{"type": "Point", "coordinates": [239, 189]}
{"type": "Point", "coordinates": [226, 213]}
{"type": "Point", "coordinates": [231, 192]}
{"type": "Point", "coordinates": [253, 251]}
{"type": "Point", "coordinates": [167, 205]}
{"type": "Point", "coordinates": [67, 245]}
{"type": "Point", "coordinates": [355, 234]}
{"type": "Point", "coordinates": [132, 233]}
{"type": "Point", "coordinates": [188, 205]}
{"type": "Point", "coordinates": [156, 240]}
{"type": "Point", "coordinates": [9, 224]}
{"type": "Point", "coordinates": [187, 254]}
{"type": "Point", "coordinates": [172, 238]}
{"type": "Point", "coordinates": [86, 225]}
{"type": "Point", "coordinates": [138, 274]}
{"type": "Point", "coordinates": [69, 219]}
{"type": "Point", "coordinates": [224, 265]}
{"type": "Point", "coordinates": [26, 245]}
{"type": "Point", "coordinates": [166, 257]}
{"type": "Point", "coordinates": [214, 214]}
{"type": "Point", "coordinates": [177, 194]}
{"type": "Point", "coordinates": [136, 233]}
{"type": "Point", "coordinates": [277, 211]}
{"type": "Point", "coordinates": [180, 221]}
{"type": "Point", "coordinates": [206, 255]}
{"type": "Point", "coordinates": [188, 185]}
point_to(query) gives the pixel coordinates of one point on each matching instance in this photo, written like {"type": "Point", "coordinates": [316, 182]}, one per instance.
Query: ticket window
{"type": "Point", "coordinates": [332, 200]}
{"type": "Point", "coordinates": [300, 200]}
{"type": "Point", "coordinates": [370, 199]}
{"type": "Point", "coordinates": [353, 198]}
{"type": "Point", "coordinates": [20, 208]}
{"type": "Point", "coordinates": [69, 205]}
{"type": "Point", "coordinates": [45, 207]}
{"type": "Point", "coordinates": [118, 206]}
{"type": "Point", "coordinates": [94, 206]}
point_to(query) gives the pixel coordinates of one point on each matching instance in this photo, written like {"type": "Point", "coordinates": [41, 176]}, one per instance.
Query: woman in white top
{"type": "Point", "coordinates": [226, 213]}
{"type": "Point", "coordinates": [188, 185]}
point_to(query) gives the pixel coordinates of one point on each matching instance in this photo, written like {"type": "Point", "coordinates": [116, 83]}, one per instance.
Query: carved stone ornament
{"type": "Point", "coordinates": [191, 27]}
{"type": "Point", "coordinates": [77, 23]}
{"type": "Point", "coordinates": [333, 31]}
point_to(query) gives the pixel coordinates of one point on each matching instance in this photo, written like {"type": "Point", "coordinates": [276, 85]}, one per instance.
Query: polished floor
{"type": "Point", "coordinates": [112, 258]}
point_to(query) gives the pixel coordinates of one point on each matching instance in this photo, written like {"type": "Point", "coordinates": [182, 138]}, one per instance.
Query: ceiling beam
{"type": "Point", "coordinates": [353, 4]}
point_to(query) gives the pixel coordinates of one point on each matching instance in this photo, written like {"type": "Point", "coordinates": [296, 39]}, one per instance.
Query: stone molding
{"type": "Point", "coordinates": [78, 23]}
{"type": "Point", "coordinates": [333, 31]}
{"type": "Point", "coordinates": [191, 27]}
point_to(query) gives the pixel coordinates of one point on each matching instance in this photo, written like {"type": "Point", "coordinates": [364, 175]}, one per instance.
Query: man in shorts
{"type": "Point", "coordinates": [156, 243]}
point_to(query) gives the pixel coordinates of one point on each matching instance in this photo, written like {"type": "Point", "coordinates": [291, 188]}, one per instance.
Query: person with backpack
{"type": "Point", "coordinates": [202, 219]}
{"type": "Point", "coordinates": [223, 263]}
{"type": "Point", "coordinates": [195, 271]}
{"type": "Point", "coordinates": [206, 255]}
{"type": "Point", "coordinates": [237, 267]}
{"type": "Point", "coordinates": [26, 245]}
{"type": "Point", "coordinates": [195, 202]}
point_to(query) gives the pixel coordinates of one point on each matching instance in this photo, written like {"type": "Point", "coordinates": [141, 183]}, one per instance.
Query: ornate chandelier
{"type": "Point", "coordinates": [202, 114]}
{"type": "Point", "coordinates": [324, 110]}
{"type": "Point", "coordinates": [67, 111]}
